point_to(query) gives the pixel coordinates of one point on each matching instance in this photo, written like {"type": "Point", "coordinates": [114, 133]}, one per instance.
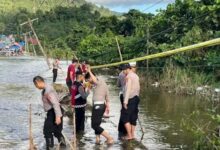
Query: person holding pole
{"type": "Point", "coordinates": [53, 124]}
{"type": "Point", "coordinates": [79, 95]}
{"type": "Point", "coordinates": [129, 112]}
{"type": "Point", "coordinates": [100, 105]}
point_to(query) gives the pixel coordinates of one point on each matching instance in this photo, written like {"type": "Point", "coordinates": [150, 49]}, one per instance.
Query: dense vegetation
{"type": "Point", "coordinates": [91, 35]}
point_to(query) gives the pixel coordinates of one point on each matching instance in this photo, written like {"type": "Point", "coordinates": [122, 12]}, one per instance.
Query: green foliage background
{"type": "Point", "coordinates": [88, 31]}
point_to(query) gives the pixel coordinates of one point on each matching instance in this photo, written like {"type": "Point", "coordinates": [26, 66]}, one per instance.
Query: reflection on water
{"type": "Point", "coordinates": [160, 112]}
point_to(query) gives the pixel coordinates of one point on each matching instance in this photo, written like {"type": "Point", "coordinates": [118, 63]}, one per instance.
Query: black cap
{"type": "Point", "coordinates": [78, 72]}
{"type": "Point", "coordinates": [120, 66]}
{"type": "Point", "coordinates": [125, 66]}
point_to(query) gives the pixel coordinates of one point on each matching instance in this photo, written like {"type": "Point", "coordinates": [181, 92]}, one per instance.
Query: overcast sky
{"type": "Point", "coordinates": [125, 5]}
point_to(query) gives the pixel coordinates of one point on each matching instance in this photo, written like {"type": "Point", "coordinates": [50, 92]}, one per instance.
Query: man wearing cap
{"type": "Point", "coordinates": [129, 112]}
{"type": "Point", "coordinates": [133, 66]}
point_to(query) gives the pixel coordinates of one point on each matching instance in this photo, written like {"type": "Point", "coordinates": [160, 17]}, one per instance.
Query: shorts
{"type": "Point", "coordinates": [130, 115]}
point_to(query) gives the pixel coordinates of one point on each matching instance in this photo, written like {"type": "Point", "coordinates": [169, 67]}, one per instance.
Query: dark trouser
{"type": "Point", "coordinates": [121, 127]}
{"type": "Point", "coordinates": [54, 75]}
{"type": "Point", "coordinates": [130, 115]}
{"type": "Point", "coordinates": [80, 119]}
{"type": "Point", "coordinates": [69, 84]}
{"type": "Point", "coordinates": [97, 114]}
{"type": "Point", "coordinates": [50, 127]}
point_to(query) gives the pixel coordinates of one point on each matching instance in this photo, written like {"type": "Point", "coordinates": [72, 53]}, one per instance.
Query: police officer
{"type": "Point", "coordinates": [53, 124]}
{"type": "Point", "coordinates": [78, 100]}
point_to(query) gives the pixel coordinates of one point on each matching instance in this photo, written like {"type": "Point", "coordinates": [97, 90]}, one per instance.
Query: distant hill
{"type": "Point", "coordinates": [11, 6]}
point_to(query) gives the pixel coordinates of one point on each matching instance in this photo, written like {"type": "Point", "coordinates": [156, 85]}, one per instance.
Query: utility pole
{"type": "Point", "coordinates": [29, 22]}
{"type": "Point", "coordinates": [119, 49]}
{"type": "Point", "coordinates": [148, 36]}
{"type": "Point", "coordinates": [26, 43]}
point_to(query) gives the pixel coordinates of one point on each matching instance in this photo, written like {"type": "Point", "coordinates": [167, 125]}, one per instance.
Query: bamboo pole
{"type": "Point", "coordinates": [198, 46]}
{"type": "Point", "coordinates": [119, 49]}
{"type": "Point", "coordinates": [31, 140]}
{"type": "Point", "coordinates": [25, 39]}
{"type": "Point", "coordinates": [27, 45]}
{"type": "Point", "coordinates": [74, 129]}
{"type": "Point", "coordinates": [71, 147]}
{"type": "Point", "coordinates": [39, 43]}
{"type": "Point", "coordinates": [148, 54]}
{"type": "Point", "coordinates": [142, 129]}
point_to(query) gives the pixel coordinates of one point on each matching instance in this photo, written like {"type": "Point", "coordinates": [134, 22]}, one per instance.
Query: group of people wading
{"type": "Point", "coordinates": [81, 81]}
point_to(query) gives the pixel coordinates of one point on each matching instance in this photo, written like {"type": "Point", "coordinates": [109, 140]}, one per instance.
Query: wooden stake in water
{"type": "Point", "coordinates": [74, 129]}
{"type": "Point", "coordinates": [31, 140]}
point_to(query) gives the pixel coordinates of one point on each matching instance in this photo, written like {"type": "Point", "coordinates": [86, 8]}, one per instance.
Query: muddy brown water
{"type": "Point", "coordinates": [160, 112]}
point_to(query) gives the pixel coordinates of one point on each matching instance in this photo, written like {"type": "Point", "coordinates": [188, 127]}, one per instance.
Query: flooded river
{"type": "Point", "coordinates": [160, 112]}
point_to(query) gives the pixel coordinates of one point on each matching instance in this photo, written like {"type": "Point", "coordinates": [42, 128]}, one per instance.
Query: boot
{"type": "Point", "coordinates": [62, 141]}
{"type": "Point", "coordinates": [49, 143]}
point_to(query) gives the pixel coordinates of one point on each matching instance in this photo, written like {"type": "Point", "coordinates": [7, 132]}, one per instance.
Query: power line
{"type": "Point", "coordinates": [153, 5]}
{"type": "Point", "coordinates": [156, 34]}
{"type": "Point", "coordinates": [197, 46]}
{"type": "Point", "coordinates": [171, 28]}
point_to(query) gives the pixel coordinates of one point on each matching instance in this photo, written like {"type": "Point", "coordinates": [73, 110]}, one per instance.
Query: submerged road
{"type": "Point", "coordinates": [160, 113]}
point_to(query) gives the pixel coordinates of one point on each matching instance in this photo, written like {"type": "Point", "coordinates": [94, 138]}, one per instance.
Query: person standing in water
{"type": "Point", "coordinates": [56, 66]}
{"type": "Point", "coordinates": [100, 105]}
{"type": "Point", "coordinates": [121, 84]}
{"type": "Point", "coordinates": [53, 124]}
{"type": "Point", "coordinates": [71, 73]}
{"type": "Point", "coordinates": [129, 113]}
{"type": "Point", "coordinates": [78, 100]}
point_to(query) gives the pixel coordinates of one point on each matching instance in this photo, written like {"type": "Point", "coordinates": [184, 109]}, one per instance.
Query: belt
{"type": "Point", "coordinates": [98, 102]}
{"type": "Point", "coordinates": [77, 96]}
{"type": "Point", "coordinates": [134, 97]}
{"type": "Point", "coordinates": [79, 106]}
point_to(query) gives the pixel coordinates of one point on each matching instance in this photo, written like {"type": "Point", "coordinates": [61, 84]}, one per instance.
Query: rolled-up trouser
{"type": "Point", "coordinates": [69, 84]}
{"type": "Point", "coordinates": [121, 127]}
{"type": "Point", "coordinates": [131, 113]}
{"type": "Point", "coordinates": [50, 127]}
{"type": "Point", "coordinates": [97, 113]}
{"type": "Point", "coordinates": [80, 119]}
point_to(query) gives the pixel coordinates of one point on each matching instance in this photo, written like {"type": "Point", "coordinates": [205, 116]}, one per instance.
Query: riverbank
{"type": "Point", "coordinates": [183, 81]}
